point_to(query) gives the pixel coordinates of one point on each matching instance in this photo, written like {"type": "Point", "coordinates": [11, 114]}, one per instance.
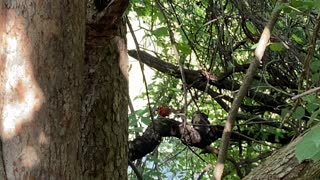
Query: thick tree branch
{"type": "Point", "coordinates": [191, 136]}
{"type": "Point", "coordinates": [284, 165]}
{"type": "Point", "coordinates": [199, 79]}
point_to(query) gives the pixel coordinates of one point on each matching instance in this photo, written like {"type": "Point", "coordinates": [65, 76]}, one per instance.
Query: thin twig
{"type": "Point", "coordinates": [173, 156]}
{"type": "Point", "coordinates": [305, 71]}
{"type": "Point", "coordinates": [141, 67]}
{"type": "Point", "coordinates": [230, 159]}
{"type": "Point", "coordinates": [306, 93]}
{"type": "Point", "coordinates": [135, 170]}
{"type": "Point", "coordinates": [205, 170]}
{"type": "Point", "coordinates": [306, 63]}
{"type": "Point", "coordinates": [196, 154]}
{"type": "Point", "coordinates": [259, 52]}
{"type": "Point", "coordinates": [254, 140]}
{"type": "Point", "coordinates": [177, 56]}
{"type": "Point", "coordinates": [183, 30]}
{"type": "Point", "coordinates": [266, 81]}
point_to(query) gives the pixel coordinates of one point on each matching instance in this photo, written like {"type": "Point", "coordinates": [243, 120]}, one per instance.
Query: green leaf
{"type": "Point", "coordinates": [136, 129]}
{"type": "Point", "coordinates": [296, 4]}
{"type": "Point", "coordinates": [132, 120]}
{"type": "Point", "coordinates": [141, 11]}
{"type": "Point", "coordinates": [141, 112]}
{"type": "Point", "coordinates": [316, 4]}
{"type": "Point", "coordinates": [310, 98]}
{"type": "Point", "coordinates": [308, 148]}
{"type": "Point", "coordinates": [296, 38]}
{"type": "Point", "coordinates": [284, 112]}
{"type": "Point", "coordinates": [174, 89]}
{"type": "Point", "coordinates": [254, 46]}
{"type": "Point", "coordinates": [251, 28]}
{"type": "Point", "coordinates": [145, 120]}
{"type": "Point", "coordinates": [298, 113]}
{"type": "Point", "coordinates": [311, 107]}
{"type": "Point", "coordinates": [184, 48]}
{"type": "Point", "coordinates": [315, 66]}
{"type": "Point", "coordinates": [313, 117]}
{"type": "Point", "coordinates": [315, 78]}
{"type": "Point", "coordinates": [276, 47]}
{"type": "Point", "coordinates": [316, 156]}
{"type": "Point", "coordinates": [162, 31]}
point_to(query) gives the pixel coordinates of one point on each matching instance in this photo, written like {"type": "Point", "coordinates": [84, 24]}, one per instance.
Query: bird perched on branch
{"type": "Point", "coordinates": [164, 111]}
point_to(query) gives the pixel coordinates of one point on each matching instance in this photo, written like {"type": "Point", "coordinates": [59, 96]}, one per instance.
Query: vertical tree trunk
{"type": "Point", "coordinates": [104, 119]}
{"type": "Point", "coordinates": [63, 112]}
{"type": "Point", "coordinates": [41, 86]}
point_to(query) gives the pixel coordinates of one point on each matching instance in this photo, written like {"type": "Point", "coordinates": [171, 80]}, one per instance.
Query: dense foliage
{"type": "Point", "coordinates": [217, 38]}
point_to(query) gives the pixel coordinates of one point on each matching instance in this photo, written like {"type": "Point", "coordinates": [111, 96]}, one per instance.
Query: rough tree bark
{"type": "Point", "coordinates": [104, 122]}
{"type": "Point", "coordinates": [284, 165]}
{"type": "Point", "coordinates": [63, 95]}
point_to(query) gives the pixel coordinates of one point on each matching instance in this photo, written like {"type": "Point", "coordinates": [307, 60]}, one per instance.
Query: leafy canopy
{"type": "Point", "coordinates": [217, 38]}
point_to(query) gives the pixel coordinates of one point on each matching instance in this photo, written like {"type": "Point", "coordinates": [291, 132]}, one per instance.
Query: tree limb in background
{"type": "Point", "coordinates": [198, 79]}
{"type": "Point", "coordinates": [263, 42]}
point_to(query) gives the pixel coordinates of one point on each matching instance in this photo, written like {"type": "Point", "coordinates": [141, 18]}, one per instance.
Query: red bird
{"type": "Point", "coordinates": [164, 111]}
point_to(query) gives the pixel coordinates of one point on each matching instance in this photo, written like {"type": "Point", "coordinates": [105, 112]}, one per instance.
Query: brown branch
{"type": "Point", "coordinates": [164, 127]}
{"type": "Point", "coordinates": [263, 42]}
{"type": "Point", "coordinates": [200, 79]}
{"type": "Point", "coordinates": [135, 170]}
{"type": "Point", "coordinates": [189, 135]}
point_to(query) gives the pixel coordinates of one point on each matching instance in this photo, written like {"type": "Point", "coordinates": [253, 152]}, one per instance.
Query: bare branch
{"type": "Point", "coordinates": [263, 42]}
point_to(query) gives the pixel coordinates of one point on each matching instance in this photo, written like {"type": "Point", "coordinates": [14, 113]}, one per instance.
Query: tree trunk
{"type": "Point", "coordinates": [63, 101]}
{"type": "Point", "coordinates": [104, 122]}
{"type": "Point", "coordinates": [284, 165]}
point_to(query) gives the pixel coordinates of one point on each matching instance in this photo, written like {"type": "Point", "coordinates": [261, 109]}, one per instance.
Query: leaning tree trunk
{"type": "Point", "coordinates": [284, 165]}
{"type": "Point", "coordinates": [63, 110]}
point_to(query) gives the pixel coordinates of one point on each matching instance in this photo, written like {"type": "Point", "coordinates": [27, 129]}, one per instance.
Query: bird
{"type": "Point", "coordinates": [164, 111]}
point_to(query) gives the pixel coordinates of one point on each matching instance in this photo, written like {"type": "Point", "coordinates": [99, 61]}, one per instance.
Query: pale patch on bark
{"type": "Point", "coordinates": [123, 59]}
{"type": "Point", "coordinates": [28, 157]}
{"type": "Point", "coordinates": [22, 95]}
{"type": "Point", "coordinates": [265, 37]}
{"type": "Point", "coordinates": [43, 139]}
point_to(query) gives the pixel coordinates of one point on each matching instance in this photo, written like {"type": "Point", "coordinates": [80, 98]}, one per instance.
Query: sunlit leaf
{"type": "Point", "coordinates": [309, 147]}
{"type": "Point", "coordinates": [254, 46]}
{"type": "Point", "coordinates": [251, 28]}
{"type": "Point", "coordinates": [276, 47]}
{"type": "Point", "coordinates": [162, 31]}
{"type": "Point", "coordinates": [296, 38]}
{"type": "Point", "coordinates": [145, 120]}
